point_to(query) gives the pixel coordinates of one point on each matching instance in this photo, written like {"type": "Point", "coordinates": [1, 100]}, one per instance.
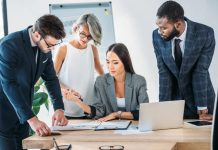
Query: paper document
{"type": "Point", "coordinates": [78, 126]}
{"type": "Point", "coordinates": [94, 125]}
{"type": "Point", "coordinates": [113, 125]}
{"type": "Point", "coordinates": [133, 129]}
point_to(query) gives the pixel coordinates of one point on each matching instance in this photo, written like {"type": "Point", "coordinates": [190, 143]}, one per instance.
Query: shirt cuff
{"type": "Point", "coordinates": [135, 114]}
{"type": "Point", "coordinates": [202, 108]}
{"type": "Point", "coordinates": [93, 112]}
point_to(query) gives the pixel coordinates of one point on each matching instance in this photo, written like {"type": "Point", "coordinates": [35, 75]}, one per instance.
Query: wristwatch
{"type": "Point", "coordinates": [119, 114]}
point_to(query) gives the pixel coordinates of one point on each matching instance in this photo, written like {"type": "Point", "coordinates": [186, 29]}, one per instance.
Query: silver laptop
{"type": "Point", "coordinates": [161, 115]}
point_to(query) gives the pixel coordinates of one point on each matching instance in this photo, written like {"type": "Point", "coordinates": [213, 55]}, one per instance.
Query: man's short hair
{"type": "Point", "coordinates": [172, 10]}
{"type": "Point", "coordinates": [50, 25]}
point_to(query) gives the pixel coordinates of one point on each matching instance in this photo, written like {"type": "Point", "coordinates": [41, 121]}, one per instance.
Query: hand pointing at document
{"type": "Point", "coordinates": [59, 119]}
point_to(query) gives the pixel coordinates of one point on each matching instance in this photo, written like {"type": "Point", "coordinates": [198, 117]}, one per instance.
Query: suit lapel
{"type": "Point", "coordinates": [168, 58]}
{"type": "Point", "coordinates": [111, 93]}
{"type": "Point", "coordinates": [40, 62]}
{"type": "Point", "coordinates": [189, 46]}
{"type": "Point", "coordinates": [29, 51]}
{"type": "Point", "coordinates": [128, 91]}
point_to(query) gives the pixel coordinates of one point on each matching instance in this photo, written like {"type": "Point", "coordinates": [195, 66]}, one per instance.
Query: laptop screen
{"type": "Point", "coordinates": [161, 115]}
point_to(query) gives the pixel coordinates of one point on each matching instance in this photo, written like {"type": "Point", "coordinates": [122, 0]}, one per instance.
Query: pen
{"type": "Point", "coordinates": [69, 90]}
{"type": "Point", "coordinates": [80, 98]}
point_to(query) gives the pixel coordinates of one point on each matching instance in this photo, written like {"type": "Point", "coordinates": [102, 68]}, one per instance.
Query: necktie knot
{"type": "Point", "coordinates": [177, 41]}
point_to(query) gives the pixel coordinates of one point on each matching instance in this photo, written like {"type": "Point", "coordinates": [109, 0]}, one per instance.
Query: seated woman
{"type": "Point", "coordinates": [118, 93]}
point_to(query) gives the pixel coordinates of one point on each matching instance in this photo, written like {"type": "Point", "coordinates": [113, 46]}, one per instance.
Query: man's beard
{"type": "Point", "coordinates": [173, 34]}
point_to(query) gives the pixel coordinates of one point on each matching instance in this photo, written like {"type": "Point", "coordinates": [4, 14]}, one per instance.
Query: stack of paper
{"type": "Point", "coordinates": [79, 126]}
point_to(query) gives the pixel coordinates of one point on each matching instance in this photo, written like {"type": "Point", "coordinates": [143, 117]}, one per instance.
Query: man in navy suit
{"type": "Point", "coordinates": [184, 50]}
{"type": "Point", "coordinates": [24, 57]}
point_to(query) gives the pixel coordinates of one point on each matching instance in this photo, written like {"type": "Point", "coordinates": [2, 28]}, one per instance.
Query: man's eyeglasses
{"type": "Point", "coordinates": [111, 147]}
{"type": "Point", "coordinates": [62, 147]}
{"type": "Point", "coordinates": [83, 35]}
{"type": "Point", "coordinates": [52, 45]}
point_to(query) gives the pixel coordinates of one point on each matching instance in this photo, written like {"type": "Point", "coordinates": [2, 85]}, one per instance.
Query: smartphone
{"type": "Point", "coordinates": [200, 123]}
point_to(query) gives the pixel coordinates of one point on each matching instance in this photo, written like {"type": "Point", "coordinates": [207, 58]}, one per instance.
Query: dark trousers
{"type": "Point", "coordinates": [11, 139]}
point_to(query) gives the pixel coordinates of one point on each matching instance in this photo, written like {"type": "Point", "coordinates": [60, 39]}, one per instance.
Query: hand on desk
{"type": "Point", "coordinates": [108, 117]}
{"type": "Point", "coordinates": [203, 115]}
{"type": "Point", "coordinates": [59, 119]}
{"type": "Point", "coordinates": [39, 127]}
{"type": "Point", "coordinates": [206, 117]}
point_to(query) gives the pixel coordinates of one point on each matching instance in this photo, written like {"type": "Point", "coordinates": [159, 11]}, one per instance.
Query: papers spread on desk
{"type": "Point", "coordinates": [94, 125]}
{"type": "Point", "coordinates": [79, 126]}
{"type": "Point", "coordinates": [113, 125]}
{"type": "Point", "coordinates": [133, 129]}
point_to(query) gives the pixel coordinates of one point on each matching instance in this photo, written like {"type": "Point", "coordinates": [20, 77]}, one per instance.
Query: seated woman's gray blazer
{"type": "Point", "coordinates": [105, 101]}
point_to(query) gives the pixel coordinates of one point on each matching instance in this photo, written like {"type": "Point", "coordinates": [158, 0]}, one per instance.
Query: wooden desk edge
{"type": "Point", "coordinates": [44, 144]}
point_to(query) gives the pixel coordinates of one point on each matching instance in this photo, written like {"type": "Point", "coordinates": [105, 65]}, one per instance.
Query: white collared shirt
{"type": "Point", "coordinates": [182, 43]}
{"type": "Point", "coordinates": [31, 40]}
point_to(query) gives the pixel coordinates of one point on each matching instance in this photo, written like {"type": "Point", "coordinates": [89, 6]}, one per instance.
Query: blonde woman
{"type": "Point", "coordinates": [76, 62]}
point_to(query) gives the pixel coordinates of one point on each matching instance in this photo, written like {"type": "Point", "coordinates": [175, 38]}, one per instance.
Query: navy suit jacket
{"type": "Point", "coordinates": [192, 82]}
{"type": "Point", "coordinates": [18, 74]}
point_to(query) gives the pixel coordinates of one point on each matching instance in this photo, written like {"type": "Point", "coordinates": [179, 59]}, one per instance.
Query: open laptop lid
{"type": "Point", "coordinates": [161, 115]}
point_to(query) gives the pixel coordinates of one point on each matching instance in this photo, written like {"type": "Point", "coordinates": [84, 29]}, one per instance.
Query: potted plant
{"type": "Point", "coordinates": [40, 98]}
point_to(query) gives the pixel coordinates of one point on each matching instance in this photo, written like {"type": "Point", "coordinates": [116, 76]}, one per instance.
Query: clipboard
{"type": "Point", "coordinates": [113, 125]}
{"type": "Point", "coordinates": [94, 125]}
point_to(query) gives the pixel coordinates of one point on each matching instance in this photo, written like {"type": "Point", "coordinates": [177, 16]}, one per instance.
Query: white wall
{"type": "Point", "coordinates": [1, 23]}
{"type": "Point", "coordinates": [134, 22]}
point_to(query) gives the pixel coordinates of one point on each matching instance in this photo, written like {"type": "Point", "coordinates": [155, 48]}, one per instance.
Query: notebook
{"type": "Point", "coordinates": [161, 115]}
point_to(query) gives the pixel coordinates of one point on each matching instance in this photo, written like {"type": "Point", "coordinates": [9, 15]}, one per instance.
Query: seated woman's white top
{"type": "Point", "coordinates": [121, 103]}
{"type": "Point", "coordinates": [77, 73]}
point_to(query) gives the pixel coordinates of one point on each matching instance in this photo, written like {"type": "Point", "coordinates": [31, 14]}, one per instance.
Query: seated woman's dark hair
{"type": "Point", "coordinates": [122, 52]}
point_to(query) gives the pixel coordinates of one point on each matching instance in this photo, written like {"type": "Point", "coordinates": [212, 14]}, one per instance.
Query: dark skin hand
{"type": "Point", "coordinates": [203, 115]}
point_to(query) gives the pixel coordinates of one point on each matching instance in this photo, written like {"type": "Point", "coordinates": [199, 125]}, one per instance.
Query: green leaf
{"type": "Point", "coordinates": [36, 109]}
{"type": "Point", "coordinates": [39, 82]}
{"type": "Point", "coordinates": [36, 88]}
{"type": "Point", "coordinates": [40, 98]}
